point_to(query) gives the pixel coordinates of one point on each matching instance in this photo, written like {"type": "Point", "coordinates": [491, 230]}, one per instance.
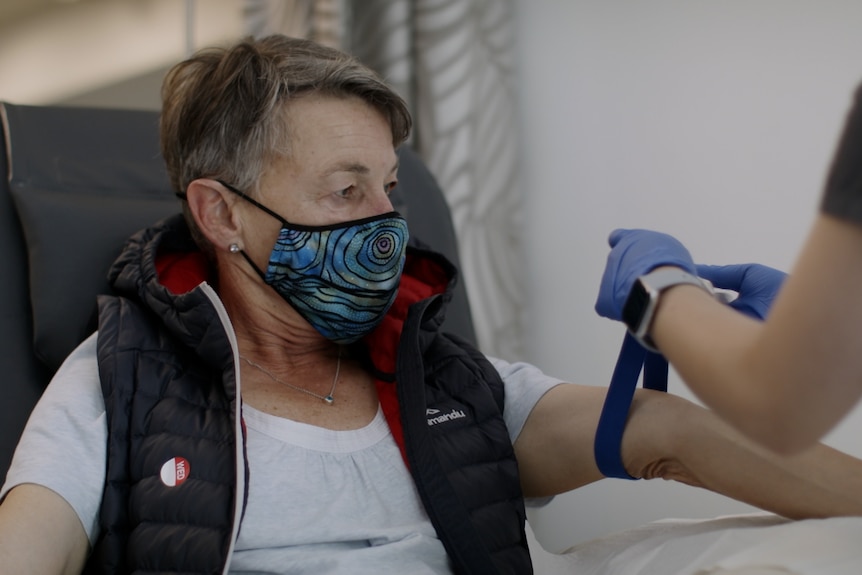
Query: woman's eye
{"type": "Point", "coordinates": [346, 192]}
{"type": "Point", "coordinates": [388, 188]}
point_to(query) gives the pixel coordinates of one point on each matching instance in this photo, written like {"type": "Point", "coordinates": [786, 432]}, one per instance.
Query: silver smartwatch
{"type": "Point", "coordinates": [640, 307]}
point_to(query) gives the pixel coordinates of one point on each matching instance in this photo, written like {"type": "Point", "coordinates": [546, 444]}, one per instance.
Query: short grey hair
{"type": "Point", "coordinates": [223, 114]}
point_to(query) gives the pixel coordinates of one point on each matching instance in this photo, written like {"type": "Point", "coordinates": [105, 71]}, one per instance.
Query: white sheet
{"type": "Point", "coordinates": [758, 544]}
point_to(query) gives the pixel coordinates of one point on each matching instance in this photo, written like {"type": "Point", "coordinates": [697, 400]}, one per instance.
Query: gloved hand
{"type": "Point", "coordinates": [633, 254]}
{"type": "Point", "coordinates": [756, 284]}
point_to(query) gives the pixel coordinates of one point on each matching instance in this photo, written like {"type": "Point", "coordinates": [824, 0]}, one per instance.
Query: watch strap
{"type": "Point", "coordinates": [663, 278]}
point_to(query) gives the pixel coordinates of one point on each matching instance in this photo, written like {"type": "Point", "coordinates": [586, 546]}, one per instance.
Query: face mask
{"type": "Point", "coordinates": [340, 278]}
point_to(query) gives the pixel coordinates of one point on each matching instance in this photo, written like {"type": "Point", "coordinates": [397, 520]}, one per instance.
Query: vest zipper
{"type": "Point", "coordinates": [239, 496]}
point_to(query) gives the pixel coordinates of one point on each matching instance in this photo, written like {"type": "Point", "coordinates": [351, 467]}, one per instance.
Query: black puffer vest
{"type": "Point", "coordinates": [176, 476]}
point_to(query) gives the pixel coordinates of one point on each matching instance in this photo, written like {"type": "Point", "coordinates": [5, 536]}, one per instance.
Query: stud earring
{"type": "Point", "coordinates": [233, 248]}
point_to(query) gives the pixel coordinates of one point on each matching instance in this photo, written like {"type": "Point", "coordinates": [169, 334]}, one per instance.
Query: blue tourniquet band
{"type": "Point", "coordinates": [612, 422]}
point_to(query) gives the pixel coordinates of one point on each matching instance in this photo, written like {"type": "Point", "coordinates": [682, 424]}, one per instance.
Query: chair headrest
{"type": "Point", "coordinates": [82, 180]}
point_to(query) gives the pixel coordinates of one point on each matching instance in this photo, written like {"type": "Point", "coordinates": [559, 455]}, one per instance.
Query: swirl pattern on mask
{"type": "Point", "coordinates": [342, 280]}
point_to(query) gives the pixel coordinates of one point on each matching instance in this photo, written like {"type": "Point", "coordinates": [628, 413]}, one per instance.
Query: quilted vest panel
{"type": "Point", "coordinates": [459, 452]}
{"type": "Point", "coordinates": [170, 488]}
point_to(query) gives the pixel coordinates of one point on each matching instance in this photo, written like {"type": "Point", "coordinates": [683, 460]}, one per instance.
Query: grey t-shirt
{"type": "Point", "coordinates": [320, 501]}
{"type": "Point", "coordinates": [842, 197]}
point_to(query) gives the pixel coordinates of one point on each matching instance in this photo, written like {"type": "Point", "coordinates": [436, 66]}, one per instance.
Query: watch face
{"type": "Point", "coordinates": [635, 306]}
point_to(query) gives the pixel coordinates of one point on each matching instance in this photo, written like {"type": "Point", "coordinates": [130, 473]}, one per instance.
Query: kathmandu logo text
{"type": "Point", "coordinates": [443, 418]}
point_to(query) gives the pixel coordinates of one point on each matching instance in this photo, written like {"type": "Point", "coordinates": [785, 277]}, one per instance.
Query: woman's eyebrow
{"type": "Point", "coordinates": [355, 167]}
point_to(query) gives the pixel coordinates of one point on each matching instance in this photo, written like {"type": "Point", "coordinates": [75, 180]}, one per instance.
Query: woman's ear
{"type": "Point", "coordinates": [212, 207]}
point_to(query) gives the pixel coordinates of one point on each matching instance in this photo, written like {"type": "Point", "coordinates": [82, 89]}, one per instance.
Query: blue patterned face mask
{"type": "Point", "coordinates": [340, 278]}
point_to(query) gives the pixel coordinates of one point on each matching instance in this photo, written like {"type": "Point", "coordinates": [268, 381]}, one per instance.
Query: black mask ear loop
{"type": "Point", "coordinates": [253, 265]}
{"type": "Point", "coordinates": [257, 204]}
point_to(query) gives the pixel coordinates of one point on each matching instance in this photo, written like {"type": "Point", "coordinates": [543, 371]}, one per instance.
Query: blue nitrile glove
{"type": "Point", "coordinates": [633, 254]}
{"type": "Point", "coordinates": [756, 284]}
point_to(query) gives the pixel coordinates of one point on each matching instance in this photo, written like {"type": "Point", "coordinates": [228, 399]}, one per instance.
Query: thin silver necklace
{"type": "Point", "coordinates": [328, 399]}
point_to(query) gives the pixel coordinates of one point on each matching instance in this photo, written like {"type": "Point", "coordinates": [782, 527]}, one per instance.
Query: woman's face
{"type": "Point", "coordinates": [340, 167]}
{"type": "Point", "coordinates": [341, 164]}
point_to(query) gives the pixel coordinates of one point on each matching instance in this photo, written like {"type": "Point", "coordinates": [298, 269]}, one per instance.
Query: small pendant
{"type": "Point", "coordinates": [329, 400]}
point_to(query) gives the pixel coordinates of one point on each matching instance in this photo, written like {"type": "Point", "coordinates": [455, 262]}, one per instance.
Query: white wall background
{"type": "Point", "coordinates": [711, 120]}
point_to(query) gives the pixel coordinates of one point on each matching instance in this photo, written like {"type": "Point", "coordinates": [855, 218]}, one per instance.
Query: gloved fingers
{"type": "Point", "coordinates": [723, 277]}
{"type": "Point", "coordinates": [616, 235]}
{"type": "Point", "coordinates": [607, 304]}
{"type": "Point", "coordinates": [744, 306]}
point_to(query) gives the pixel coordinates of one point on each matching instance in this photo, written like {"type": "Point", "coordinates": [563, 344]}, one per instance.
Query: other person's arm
{"type": "Point", "coordinates": [784, 381]}
{"type": "Point", "coordinates": [787, 381]}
